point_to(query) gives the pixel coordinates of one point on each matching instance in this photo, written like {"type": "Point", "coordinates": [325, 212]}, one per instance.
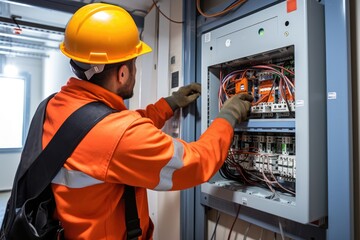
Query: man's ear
{"type": "Point", "coordinates": [123, 74]}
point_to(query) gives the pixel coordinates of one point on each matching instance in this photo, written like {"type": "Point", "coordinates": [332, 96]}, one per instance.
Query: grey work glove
{"type": "Point", "coordinates": [184, 96]}
{"type": "Point", "coordinates": [236, 108]}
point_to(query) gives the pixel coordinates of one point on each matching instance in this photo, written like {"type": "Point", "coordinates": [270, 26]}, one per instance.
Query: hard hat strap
{"type": "Point", "coordinates": [98, 68]}
{"type": "Point", "coordinates": [86, 71]}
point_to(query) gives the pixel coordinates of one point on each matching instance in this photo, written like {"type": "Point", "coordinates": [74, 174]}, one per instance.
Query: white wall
{"type": "Point", "coordinates": [170, 41]}
{"type": "Point", "coordinates": [152, 83]}
{"type": "Point", "coordinates": [145, 90]}
{"type": "Point", "coordinates": [33, 68]}
{"type": "Point", "coordinates": [56, 72]}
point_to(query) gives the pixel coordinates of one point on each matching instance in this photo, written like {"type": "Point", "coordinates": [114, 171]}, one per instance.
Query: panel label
{"type": "Point", "coordinates": [299, 103]}
{"type": "Point", "coordinates": [331, 95]}
{"type": "Point", "coordinates": [207, 37]}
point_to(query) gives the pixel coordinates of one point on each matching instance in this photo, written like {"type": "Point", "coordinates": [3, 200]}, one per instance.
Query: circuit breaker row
{"type": "Point", "coordinates": [268, 109]}
{"type": "Point", "coordinates": [272, 154]}
{"type": "Point", "coordinates": [282, 165]}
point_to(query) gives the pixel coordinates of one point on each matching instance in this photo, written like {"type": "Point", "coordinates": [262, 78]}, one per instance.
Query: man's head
{"type": "Point", "coordinates": [116, 77]}
{"type": "Point", "coordinates": [100, 39]}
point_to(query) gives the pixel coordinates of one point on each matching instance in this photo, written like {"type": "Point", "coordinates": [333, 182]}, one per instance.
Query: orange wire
{"type": "Point", "coordinates": [171, 20]}
{"type": "Point", "coordinates": [218, 13]}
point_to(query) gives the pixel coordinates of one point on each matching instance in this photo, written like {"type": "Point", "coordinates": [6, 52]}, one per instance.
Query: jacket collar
{"type": "Point", "coordinates": [92, 92]}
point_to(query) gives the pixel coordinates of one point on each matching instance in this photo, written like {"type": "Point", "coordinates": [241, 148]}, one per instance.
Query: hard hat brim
{"type": "Point", "coordinates": [142, 48]}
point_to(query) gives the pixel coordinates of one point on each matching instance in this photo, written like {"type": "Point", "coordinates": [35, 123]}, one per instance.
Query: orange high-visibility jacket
{"type": "Point", "coordinates": [126, 147]}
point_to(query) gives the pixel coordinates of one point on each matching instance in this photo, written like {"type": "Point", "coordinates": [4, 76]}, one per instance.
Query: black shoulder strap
{"type": "Point", "coordinates": [33, 143]}
{"type": "Point", "coordinates": [132, 220]}
{"type": "Point", "coordinates": [52, 158]}
{"type": "Point", "coordinates": [32, 148]}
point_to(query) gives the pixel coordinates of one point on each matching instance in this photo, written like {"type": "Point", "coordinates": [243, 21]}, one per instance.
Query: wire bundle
{"type": "Point", "coordinates": [233, 170]}
{"type": "Point", "coordinates": [283, 80]}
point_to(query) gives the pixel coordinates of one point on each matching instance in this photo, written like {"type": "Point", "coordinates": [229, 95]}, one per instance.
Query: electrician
{"type": "Point", "coordinates": [126, 147]}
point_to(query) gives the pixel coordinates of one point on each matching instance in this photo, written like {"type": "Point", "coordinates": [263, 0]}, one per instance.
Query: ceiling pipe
{"type": "Point", "coordinates": [32, 26]}
{"type": "Point", "coordinates": [29, 37]}
{"type": "Point", "coordinates": [23, 54]}
{"type": "Point", "coordinates": [26, 45]}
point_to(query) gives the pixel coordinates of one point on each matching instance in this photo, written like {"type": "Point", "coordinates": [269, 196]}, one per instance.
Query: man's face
{"type": "Point", "coordinates": [127, 90]}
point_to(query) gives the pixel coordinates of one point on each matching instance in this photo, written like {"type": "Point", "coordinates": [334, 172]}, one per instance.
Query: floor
{"type": "Point", "coordinates": [4, 197]}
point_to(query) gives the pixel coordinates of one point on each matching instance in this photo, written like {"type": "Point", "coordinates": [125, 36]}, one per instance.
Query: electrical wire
{"type": "Point", "coordinates": [171, 20]}
{"type": "Point", "coordinates": [238, 168]}
{"type": "Point", "coordinates": [261, 233]}
{"type": "Point", "coordinates": [233, 224]}
{"type": "Point", "coordinates": [216, 224]}
{"type": "Point", "coordinates": [151, 7]}
{"type": "Point", "coordinates": [247, 231]}
{"type": "Point", "coordinates": [277, 182]}
{"type": "Point", "coordinates": [268, 183]}
{"type": "Point", "coordinates": [232, 166]}
{"type": "Point", "coordinates": [226, 10]}
{"type": "Point", "coordinates": [281, 231]}
{"type": "Point", "coordinates": [228, 83]}
{"type": "Point", "coordinates": [14, 17]}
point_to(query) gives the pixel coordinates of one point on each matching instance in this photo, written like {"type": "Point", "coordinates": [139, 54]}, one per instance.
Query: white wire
{"type": "Point", "coordinates": [261, 234]}
{"type": "Point", "coordinates": [281, 231]}
{"type": "Point", "coordinates": [246, 231]}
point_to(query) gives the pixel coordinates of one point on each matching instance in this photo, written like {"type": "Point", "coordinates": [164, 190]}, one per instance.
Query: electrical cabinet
{"type": "Point", "coordinates": [277, 162]}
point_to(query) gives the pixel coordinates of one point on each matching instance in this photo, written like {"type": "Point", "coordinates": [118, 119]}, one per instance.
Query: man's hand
{"type": "Point", "coordinates": [236, 108]}
{"type": "Point", "coordinates": [184, 96]}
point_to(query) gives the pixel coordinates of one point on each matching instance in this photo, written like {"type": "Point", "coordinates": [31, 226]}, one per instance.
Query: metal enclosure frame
{"type": "Point", "coordinates": [339, 113]}
{"type": "Point", "coordinates": [241, 40]}
{"type": "Point", "coordinates": [340, 219]}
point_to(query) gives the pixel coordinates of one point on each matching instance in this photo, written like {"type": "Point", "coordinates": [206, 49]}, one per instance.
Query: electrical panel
{"type": "Point", "coordinates": [277, 161]}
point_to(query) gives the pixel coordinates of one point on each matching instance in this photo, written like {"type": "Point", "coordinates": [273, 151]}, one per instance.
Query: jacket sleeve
{"type": "Point", "coordinates": [159, 112]}
{"type": "Point", "coordinates": [147, 157]}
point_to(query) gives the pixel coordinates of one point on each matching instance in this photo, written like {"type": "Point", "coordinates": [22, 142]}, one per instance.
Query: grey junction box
{"type": "Point", "coordinates": [285, 137]}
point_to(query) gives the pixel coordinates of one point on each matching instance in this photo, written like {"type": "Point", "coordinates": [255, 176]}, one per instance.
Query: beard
{"type": "Point", "coordinates": [126, 95]}
{"type": "Point", "coordinates": [127, 91]}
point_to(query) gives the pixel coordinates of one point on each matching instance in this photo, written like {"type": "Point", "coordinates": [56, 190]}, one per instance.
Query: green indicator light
{"type": "Point", "coordinates": [261, 32]}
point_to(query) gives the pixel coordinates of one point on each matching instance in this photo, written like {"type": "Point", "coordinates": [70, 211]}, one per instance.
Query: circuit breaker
{"type": "Point", "coordinates": [277, 161]}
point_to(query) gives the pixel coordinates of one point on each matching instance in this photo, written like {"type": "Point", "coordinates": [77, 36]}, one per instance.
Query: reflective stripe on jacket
{"type": "Point", "coordinates": [127, 147]}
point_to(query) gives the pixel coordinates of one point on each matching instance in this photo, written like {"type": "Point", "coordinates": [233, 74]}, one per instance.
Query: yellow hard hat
{"type": "Point", "coordinates": [100, 33]}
